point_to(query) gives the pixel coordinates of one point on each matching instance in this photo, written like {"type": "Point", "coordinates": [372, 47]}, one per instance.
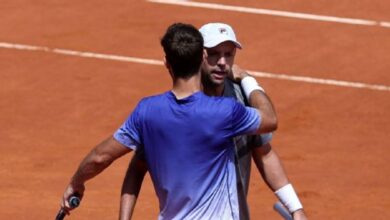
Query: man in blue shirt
{"type": "Point", "coordinates": [186, 137]}
{"type": "Point", "coordinates": [220, 45]}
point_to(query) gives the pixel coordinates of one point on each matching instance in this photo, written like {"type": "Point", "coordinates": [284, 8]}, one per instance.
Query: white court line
{"type": "Point", "coordinates": [159, 62]}
{"type": "Point", "coordinates": [275, 13]}
{"type": "Point", "coordinates": [321, 81]}
{"type": "Point", "coordinates": [384, 24]}
{"type": "Point", "coordinates": [81, 54]}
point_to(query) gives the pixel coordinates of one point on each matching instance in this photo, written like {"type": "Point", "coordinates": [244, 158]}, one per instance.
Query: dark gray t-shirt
{"type": "Point", "coordinates": [244, 145]}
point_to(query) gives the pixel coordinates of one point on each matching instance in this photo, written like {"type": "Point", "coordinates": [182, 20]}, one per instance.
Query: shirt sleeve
{"type": "Point", "coordinates": [129, 134]}
{"type": "Point", "coordinates": [245, 120]}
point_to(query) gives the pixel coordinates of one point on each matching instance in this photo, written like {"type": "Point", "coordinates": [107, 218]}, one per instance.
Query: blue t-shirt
{"type": "Point", "coordinates": [189, 151]}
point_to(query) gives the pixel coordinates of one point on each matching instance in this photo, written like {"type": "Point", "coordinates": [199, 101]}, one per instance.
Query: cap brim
{"type": "Point", "coordinates": [216, 41]}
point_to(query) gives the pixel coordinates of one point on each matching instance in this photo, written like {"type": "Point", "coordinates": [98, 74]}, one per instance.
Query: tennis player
{"type": "Point", "coordinates": [185, 136]}
{"type": "Point", "coordinates": [220, 45]}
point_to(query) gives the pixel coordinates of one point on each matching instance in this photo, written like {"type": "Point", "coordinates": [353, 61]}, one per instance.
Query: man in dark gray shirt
{"type": "Point", "coordinates": [220, 77]}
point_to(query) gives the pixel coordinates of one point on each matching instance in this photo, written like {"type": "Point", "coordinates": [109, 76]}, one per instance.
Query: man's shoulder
{"type": "Point", "coordinates": [148, 103]}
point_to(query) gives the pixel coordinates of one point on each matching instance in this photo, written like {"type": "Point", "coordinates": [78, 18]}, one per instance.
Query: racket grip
{"type": "Point", "coordinates": [279, 207]}
{"type": "Point", "coordinates": [60, 215]}
{"type": "Point", "coordinates": [74, 202]}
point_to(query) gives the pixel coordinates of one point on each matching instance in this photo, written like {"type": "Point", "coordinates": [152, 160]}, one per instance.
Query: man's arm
{"type": "Point", "coordinates": [273, 173]}
{"type": "Point", "coordinates": [257, 99]}
{"type": "Point", "coordinates": [95, 162]}
{"type": "Point", "coordinates": [131, 186]}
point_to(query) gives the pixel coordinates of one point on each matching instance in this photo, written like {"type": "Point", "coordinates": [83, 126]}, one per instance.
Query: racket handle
{"type": "Point", "coordinates": [74, 202]}
{"type": "Point", "coordinates": [60, 215]}
{"type": "Point", "coordinates": [279, 207]}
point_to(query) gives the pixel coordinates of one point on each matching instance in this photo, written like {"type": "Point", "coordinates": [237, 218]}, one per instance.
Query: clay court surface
{"type": "Point", "coordinates": [333, 140]}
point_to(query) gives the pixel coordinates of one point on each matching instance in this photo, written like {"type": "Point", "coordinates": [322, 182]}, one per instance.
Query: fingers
{"type": "Point", "coordinates": [236, 68]}
{"type": "Point", "coordinates": [66, 207]}
{"type": "Point", "coordinates": [237, 73]}
{"type": "Point", "coordinates": [70, 191]}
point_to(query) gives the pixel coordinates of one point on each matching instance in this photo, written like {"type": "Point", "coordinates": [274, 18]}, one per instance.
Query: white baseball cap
{"type": "Point", "coordinates": [216, 33]}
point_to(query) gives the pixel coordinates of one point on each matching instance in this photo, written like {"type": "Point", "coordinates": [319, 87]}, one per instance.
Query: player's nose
{"type": "Point", "coordinates": [221, 61]}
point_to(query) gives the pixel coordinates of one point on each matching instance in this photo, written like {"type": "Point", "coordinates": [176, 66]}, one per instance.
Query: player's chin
{"type": "Point", "coordinates": [218, 82]}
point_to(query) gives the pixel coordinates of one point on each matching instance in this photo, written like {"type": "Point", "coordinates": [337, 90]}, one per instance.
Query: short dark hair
{"type": "Point", "coordinates": [183, 47]}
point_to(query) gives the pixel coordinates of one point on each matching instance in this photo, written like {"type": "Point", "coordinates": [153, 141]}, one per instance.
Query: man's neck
{"type": "Point", "coordinates": [213, 90]}
{"type": "Point", "coordinates": [183, 88]}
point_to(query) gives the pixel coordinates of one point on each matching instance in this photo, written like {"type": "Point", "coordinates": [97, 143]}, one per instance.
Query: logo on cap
{"type": "Point", "coordinates": [223, 31]}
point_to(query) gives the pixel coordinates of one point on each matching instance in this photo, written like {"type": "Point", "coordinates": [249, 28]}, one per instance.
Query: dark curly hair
{"type": "Point", "coordinates": [183, 47]}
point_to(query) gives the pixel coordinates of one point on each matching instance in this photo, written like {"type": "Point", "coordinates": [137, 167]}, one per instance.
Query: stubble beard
{"type": "Point", "coordinates": [212, 86]}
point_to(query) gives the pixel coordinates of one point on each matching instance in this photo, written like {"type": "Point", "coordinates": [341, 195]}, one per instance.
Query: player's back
{"type": "Point", "coordinates": [189, 150]}
{"type": "Point", "coordinates": [190, 155]}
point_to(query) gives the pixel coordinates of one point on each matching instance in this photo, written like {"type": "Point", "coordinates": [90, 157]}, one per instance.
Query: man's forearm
{"type": "Point", "coordinates": [94, 163]}
{"type": "Point", "coordinates": [270, 167]}
{"type": "Point", "coordinates": [127, 206]}
{"type": "Point", "coordinates": [259, 100]}
{"type": "Point", "coordinates": [91, 166]}
{"type": "Point", "coordinates": [97, 160]}
{"type": "Point", "coordinates": [274, 175]}
{"type": "Point", "coordinates": [131, 187]}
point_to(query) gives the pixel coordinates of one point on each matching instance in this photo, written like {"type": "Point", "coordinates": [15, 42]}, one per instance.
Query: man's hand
{"type": "Point", "coordinates": [299, 215]}
{"type": "Point", "coordinates": [237, 74]}
{"type": "Point", "coordinates": [71, 190]}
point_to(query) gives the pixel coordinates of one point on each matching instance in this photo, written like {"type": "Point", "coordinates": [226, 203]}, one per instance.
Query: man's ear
{"type": "Point", "coordinates": [204, 54]}
{"type": "Point", "coordinates": [166, 64]}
